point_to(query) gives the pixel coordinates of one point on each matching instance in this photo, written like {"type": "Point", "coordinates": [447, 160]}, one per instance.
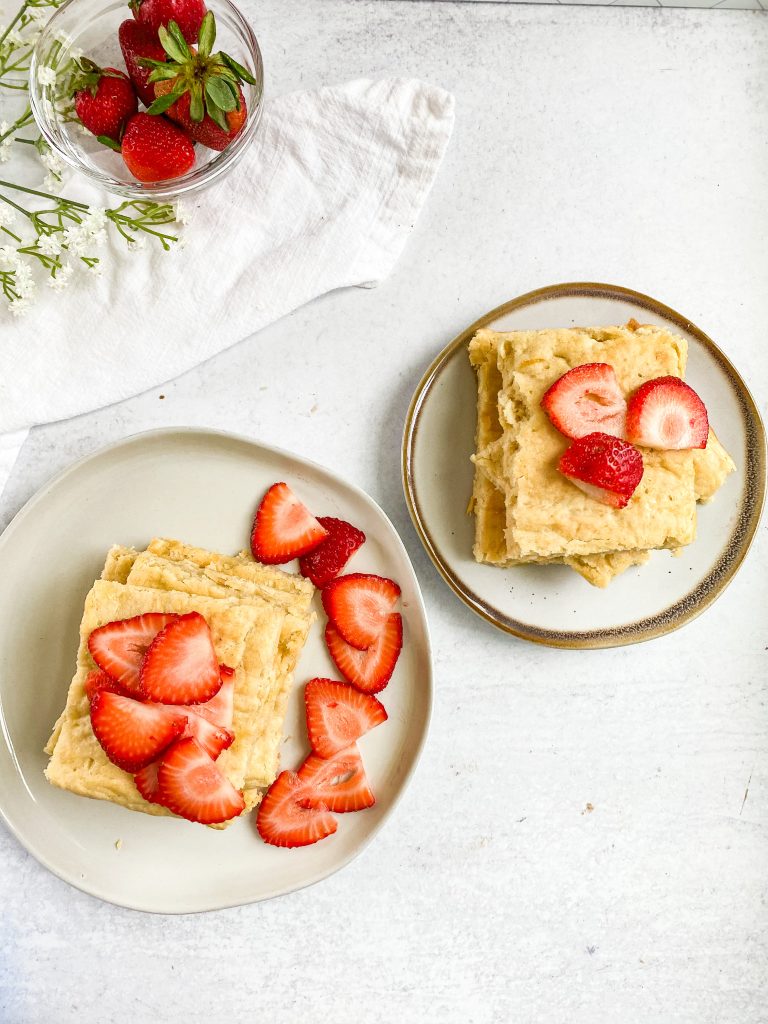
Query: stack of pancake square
{"type": "Point", "coordinates": [525, 510]}
{"type": "Point", "coordinates": [259, 618]}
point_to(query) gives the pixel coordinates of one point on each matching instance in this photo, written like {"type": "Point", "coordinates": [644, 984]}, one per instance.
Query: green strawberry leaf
{"type": "Point", "coordinates": [217, 114]}
{"type": "Point", "coordinates": [163, 73]}
{"type": "Point", "coordinates": [106, 141]}
{"type": "Point", "coordinates": [171, 45]}
{"type": "Point", "coordinates": [219, 95]}
{"type": "Point", "coordinates": [207, 35]}
{"type": "Point", "coordinates": [196, 109]}
{"type": "Point", "coordinates": [178, 36]}
{"type": "Point", "coordinates": [147, 62]}
{"type": "Point", "coordinates": [162, 103]}
{"type": "Point", "coordinates": [243, 74]}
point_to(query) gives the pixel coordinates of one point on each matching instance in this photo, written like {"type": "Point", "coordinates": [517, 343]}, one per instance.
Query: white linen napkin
{"type": "Point", "coordinates": [324, 198]}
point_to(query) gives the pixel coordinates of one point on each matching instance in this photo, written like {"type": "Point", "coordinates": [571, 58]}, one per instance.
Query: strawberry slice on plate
{"type": "Point", "coordinates": [190, 785]}
{"type": "Point", "coordinates": [369, 670]}
{"type": "Point", "coordinates": [147, 782]}
{"type": "Point", "coordinates": [285, 820]}
{"type": "Point", "coordinates": [587, 399]}
{"type": "Point", "coordinates": [604, 467]}
{"type": "Point", "coordinates": [220, 708]}
{"type": "Point", "coordinates": [212, 738]}
{"type": "Point", "coordinates": [96, 681]}
{"type": "Point", "coordinates": [284, 528]}
{"type": "Point", "coordinates": [666, 413]}
{"type": "Point", "coordinates": [131, 732]}
{"type": "Point", "coordinates": [180, 666]}
{"type": "Point", "coordinates": [359, 605]}
{"type": "Point", "coordinates": [327, 560]}
{"type": "Point", "coordinates": [119, 647]}
{"type": "Point", "coordinates": [338, 715]}
{"type": "Point", "coordinates": [340, 784]}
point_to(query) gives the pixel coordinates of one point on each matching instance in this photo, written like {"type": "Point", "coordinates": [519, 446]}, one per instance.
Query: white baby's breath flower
{"type": "Point", "coordinates": [14, 38]}
{"type": "Point", "coordinates": [137, 244]}
{"type": "Point", "coordinates": [182, 213]}
{"type": "Point", "coordinates": [46, 76]}
{"type": "Point", "coordinates": [52, 162]}
{"type": "Point", "coordinates": [60, 282]}
{"type": "Point", "coordinates": [52, 183]}
{"type": "Point", "coordinates": [5, 151]}
{"type": "Point", "coordinates": [49, 245]}
{"type": "Point", "coordinates": [98, 238]}
{"type": "Point", "coordinates": [75, 53]}
{"type": "Point", "coordinates": [7, 216]}
{"type": "Point", "coordinates": [95, 220]}
{"type": "Point", "coordinates": [39, 14]}
{"type": "Point", "coordinates": [76, 240]}
{"type": "Point", "coordinates": [4, 127]}
{"type": "Point", "coordinates": [18, 307]}
{"type": "Point", "coordinates": [96, 269]}
{"type": "Point", "coordinates": [9, 258]}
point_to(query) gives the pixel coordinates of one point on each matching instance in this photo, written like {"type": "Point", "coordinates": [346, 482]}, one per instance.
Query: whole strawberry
{"type": "Point", "coordinates": [200, 90]}
{"type": "Point", "coordinates": [104, 98]}
{"type": "Point", "coordinates": [188, 15]}
{"type": "Point", "coordinates": [137, 41]}
{"type": "Point", "coordinates": [154, 149]}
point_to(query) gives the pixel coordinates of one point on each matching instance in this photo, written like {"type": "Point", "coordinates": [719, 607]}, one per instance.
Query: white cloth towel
{"type": "Point", "coordinates": [324, 198]}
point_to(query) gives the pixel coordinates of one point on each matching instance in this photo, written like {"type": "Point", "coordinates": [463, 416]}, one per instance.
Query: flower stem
{"type": "Point", "coordinates": [17, 17]}
{"type": "Point", "coordinates": [42, 195]}
{"type": "Point", "coordinates": [20, 122]}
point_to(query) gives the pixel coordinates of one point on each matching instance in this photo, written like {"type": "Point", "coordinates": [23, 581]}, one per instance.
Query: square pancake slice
{"type": "Point", "coordinates": [246, 636]}
{"type": "Point", "coordinates": [205, 573]}
{"type": "Point", "coordinates": [546, 515]}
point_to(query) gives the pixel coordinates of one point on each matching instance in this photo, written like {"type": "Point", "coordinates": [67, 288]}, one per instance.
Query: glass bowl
{"type": "Point", "coordinates": [89, 28]}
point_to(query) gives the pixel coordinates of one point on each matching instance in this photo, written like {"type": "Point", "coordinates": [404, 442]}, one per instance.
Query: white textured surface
{"type": "Point", "coordinates": [622, 145]}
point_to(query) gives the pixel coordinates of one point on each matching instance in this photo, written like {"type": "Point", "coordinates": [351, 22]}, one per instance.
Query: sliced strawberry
{"type": "Point", "coordinates": [358, 605]}
{"type": "Point", "coordinates": [221, 707]}
{"type": "Point", "coordinates": [190, 784]}
{"type": "Point", "coordinates": [370, 670]}
{"type": "Point", "coordinates": [284, 820]}
{"type": "Point", "coordinates": [283, 528]}
{"type": "Point", "coordinates": [119, 647]}
{"type": "Point", "coordinates": [133, 733]}
{"type": "Point", "coordinates": [332, 554]}
{"type": "Point", "coordinates": [666, 413]}
{"type": "Point", "coordinates": [180, 666]}
{"type": "Point", "coordinates": [212, 738]}
{"type": "Point", "coordinates": [338, 715]}
{"type": "Point", "coordinates": [97, 681]}
{"type": "Point", "coordinates": [604, 467]}
{"type": "Point", "coordinates": [586, 399]}
{"type": "Point", "coordinates": [340, 784]}
{"type": "Point", "coordinates": [147, 782]}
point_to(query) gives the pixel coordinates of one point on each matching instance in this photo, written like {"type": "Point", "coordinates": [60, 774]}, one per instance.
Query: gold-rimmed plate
{"type": "Point", "coordinates": [551, 604]}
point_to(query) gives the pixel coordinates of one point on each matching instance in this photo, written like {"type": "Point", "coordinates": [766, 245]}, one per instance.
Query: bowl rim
{"type": "Point", "coordinates": [168, 188]}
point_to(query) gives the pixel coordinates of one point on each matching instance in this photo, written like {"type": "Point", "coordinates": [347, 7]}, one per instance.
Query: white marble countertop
{"type": "Point", "coordinates": [623, 145]}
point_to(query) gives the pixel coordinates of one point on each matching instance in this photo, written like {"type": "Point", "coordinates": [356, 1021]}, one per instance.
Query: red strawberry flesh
{"type": "Point", "coordinates": [192, 786]}
{"type": "Point", "coordinates": [147, 782]}
{"type": "Point", "coordinates": [332, 554]}
{"type": "Point", "coordinates": [188, 15]}
{"type": "Point", "coordinates": [338, 715]}
{"type": "Point", "coordinates": [370, 670]}
{"type": "Point", "coordinates": [154, 149]}
{"type": "Point", "coordinates": [104, 108]}
{"type": "Point", "coordinates": [137, 41]}
{"type": "Point", "coordinates": [358, 605]}
{"type": "Point", "coordinates": [585, 400]}
{"type": "Point", "coordinates": [118, 648]}
{"type": "Point", "coordinates": [180, 666]}
{"type": "Point", "coordinates": [284, 528]}
{"type": "Point", "coordinates": [338, 783]}
{"type": "Point", "coordinates": [604, 467]}
{"type": "Point", "coordinates": [285, 820]}
{"type": "Point", "coordinates": [133, 733]}
{"type": "Point", "coordinates": [667, 414]}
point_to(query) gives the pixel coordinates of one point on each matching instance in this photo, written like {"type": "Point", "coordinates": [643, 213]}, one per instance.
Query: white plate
{"type": "Point", "coordinates": [202, 487]}
{"type": "Point", "coordinates": [551, 604]}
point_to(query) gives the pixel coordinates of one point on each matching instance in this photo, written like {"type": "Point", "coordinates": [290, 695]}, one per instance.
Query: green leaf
{"type": "Point", "coordinates": [164, 73]}
{"type": "Point", "coordinates": [162, 103]}
{"type": "Point", "coordinates": [170, 45]}
{"type": "Point", "coordinates": [242, 73]}
{"type": "Point", "coordinates": [217, 115]}
{"type": "Point", "coordinates": [196, 109]}
{"type": "Point", "coordinates": [207, 35]}
{"type": "Point", "coordinates": [178, 36]}
{"type": "Point", "coordinates": [219, 95]}
{"type": "Point", "coordinates": [106, 141]}
{"type": "Point", "coordinates": [147, 62]}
